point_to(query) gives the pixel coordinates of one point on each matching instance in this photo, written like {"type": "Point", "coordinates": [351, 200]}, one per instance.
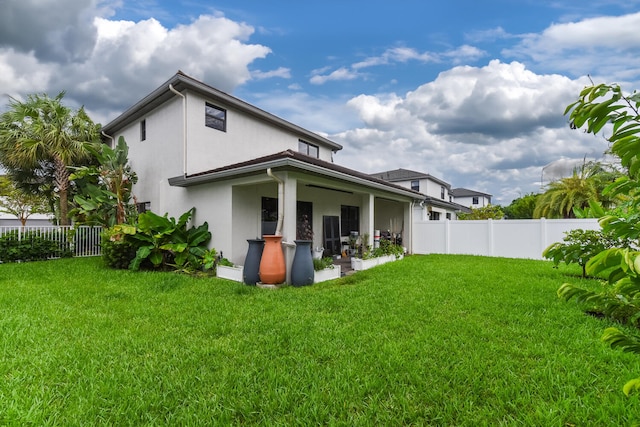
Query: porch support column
{"type": "Point", "coordinates": [407, 233]}
{"type": "Point", "coordinates": [289, 223]}
{"type": "Point", "coordinates": [368, 216]}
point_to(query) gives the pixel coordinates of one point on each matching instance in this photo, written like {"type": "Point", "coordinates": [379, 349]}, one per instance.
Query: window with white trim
{"type": "Point", "coordinates": [215, 117]}
{"type": "Point", "coordinates": [308, 149]}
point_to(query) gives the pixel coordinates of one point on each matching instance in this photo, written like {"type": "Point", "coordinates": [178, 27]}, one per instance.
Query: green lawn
{"type": "Point", "coordinates": [429, 340]}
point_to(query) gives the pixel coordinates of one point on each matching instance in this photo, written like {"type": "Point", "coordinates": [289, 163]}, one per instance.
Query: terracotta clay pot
{"type": "Point", "coordinates": [272, 265]}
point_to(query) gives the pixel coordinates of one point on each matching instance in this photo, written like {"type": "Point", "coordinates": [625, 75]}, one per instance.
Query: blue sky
{"type": "Point", "coordinates": [471, 92]}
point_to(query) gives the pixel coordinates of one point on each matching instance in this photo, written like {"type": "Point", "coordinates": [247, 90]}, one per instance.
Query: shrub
{"type": "Point", "coordinates": [33, 245]}
{"type": "Point", "coordinates": [579, 246]}
{"type": "Point", "coordinates": [161, 243]}
{"type": "Point", "coordinates": [117, 252]}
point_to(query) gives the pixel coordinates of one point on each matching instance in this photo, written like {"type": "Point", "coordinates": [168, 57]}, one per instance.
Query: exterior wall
{"type": "Point", "coordinates": [428, 187]}
{"type": "Point", "coordinates": [158, 157]}
{"type": "Point", "coordinates": [468, 201]}
{"type": "Point", "coordinates": [245, 138]}
{"type": "Point", "coordinates": [502, 238]}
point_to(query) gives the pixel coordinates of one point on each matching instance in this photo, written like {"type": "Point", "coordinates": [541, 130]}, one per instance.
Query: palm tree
{"type": "Point", "coordinates": [42, 132]}
{"type": "Point", "coordinates": [586, 183]}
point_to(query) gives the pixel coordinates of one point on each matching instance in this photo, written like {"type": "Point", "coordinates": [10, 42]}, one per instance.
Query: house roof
{"type": "Point", "coordinates": [398, 175]}
{"type": "Point", "coordinates": [182, 82]}
{"type": "Point", "coordinates": [447, 205]}
{"type": "Point", "coordinates": [465, 192]}
{"type": "Point", "coordinates": [290, 159]}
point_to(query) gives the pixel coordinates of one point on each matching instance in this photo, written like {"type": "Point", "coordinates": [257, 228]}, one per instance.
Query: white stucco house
{"type": "Point", "coordinates": [193, 145]}
{"type": "Point", "coordinates": [471, 198]}
{"type": "Point", "coordinates": [438, 202]}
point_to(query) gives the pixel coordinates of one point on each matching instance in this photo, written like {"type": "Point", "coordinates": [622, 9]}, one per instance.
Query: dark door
{"type": "Point", "coordinates": [331, 234]}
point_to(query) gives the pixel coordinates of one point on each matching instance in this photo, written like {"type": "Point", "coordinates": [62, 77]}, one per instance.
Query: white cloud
{"type": "Point", "coordinates": [486, 128]}
{"type": "Point", "coordinates": [125, 60]}
{"type": "Point", "coordinates": [281, 72]}
{"type": "Point", "coordinates": [339, 74]}
{"type": "Point", "coordinates": [396, 54]}
{"type": "Point", "coordinates": [607, 46]}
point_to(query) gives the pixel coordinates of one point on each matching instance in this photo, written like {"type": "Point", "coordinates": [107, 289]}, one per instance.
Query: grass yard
{"type": "Point", "coordinates": [429, 340]}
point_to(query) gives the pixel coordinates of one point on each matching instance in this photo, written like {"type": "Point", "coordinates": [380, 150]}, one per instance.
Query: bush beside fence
{"type": "Point", "coordinates": [48, 242]}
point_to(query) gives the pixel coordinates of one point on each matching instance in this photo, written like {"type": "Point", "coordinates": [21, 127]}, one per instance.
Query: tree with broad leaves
{"type": "Point", "coordinates": [105, 190]}
{"type": "Point", "coordinates": [42, 133]}
{"type": "Point", "coordinates": [14, 201]}
{"type": "Point", "coordinates": [599, 106]}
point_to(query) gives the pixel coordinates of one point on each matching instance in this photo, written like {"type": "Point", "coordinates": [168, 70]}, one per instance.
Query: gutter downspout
{"type": "Point", "coordinates": [280, 201]}
{"type": "Point", "coordinates": [113, 141]}
{"type": "Point", "coordinates": [184, 129]}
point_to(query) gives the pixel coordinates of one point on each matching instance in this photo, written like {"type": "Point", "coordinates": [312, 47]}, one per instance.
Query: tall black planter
{"type": "Point", "coordinates": [302, 266]}
{"type": "Point", "coordinates": [251, 271]}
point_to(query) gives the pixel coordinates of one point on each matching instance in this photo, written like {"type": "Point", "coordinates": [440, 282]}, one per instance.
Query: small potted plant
{"type": "Point", "coordinates": [325, 270]}
{"type": "Point", "coordinates": [227, 270]}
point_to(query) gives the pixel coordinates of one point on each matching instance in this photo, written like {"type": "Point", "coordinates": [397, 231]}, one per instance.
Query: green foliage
{"type": "Point", "coordinates": [522, 207]}
{"type": "Point", "coordinates": [105, 190]}
{"type": "Point", "coordinates": [587, 184]}
{"type": "Point", "coordinates": [117, 252]}
{"type": "Point", "coordinates": [161, 242]}
{"type": "Point", "coordinates": [579, 246]}
{"type": "Point", "coordinates": [225, 262]}
{"type": "Point", "coordinates": [484, 212]}
{"type": "Point", "coordinates": [322, 263]}
{"type": "Point", "coordinates": [18, 202]}
{"type": "Point", "coordinates": [40, 139]}
{"type": "Point", "coordinates": [596, 107]}
{"type": "Point", "coordinates": [33, 245]}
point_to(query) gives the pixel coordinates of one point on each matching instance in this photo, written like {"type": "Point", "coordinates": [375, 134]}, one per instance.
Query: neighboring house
{"type": "Point", "coordinates": [438, 201]}
{"type": "Point", "coordinates": [192, 145]}
{"type": "Point", "coordinates": [471, 198]}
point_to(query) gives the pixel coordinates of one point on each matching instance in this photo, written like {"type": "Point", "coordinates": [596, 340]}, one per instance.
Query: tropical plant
{"type": "Point", "coordinates": [105, 190]}
{"type": "Point", "coordinates": [165, 242]}
{"type": "Point", "coordinates": [484, 212]}
{"type": "Point", "coordinates": [596, 107]}
{"type": "Point", "coordinates": [587, 183]}
{"type": "Point", "coordinates": [43, 135]}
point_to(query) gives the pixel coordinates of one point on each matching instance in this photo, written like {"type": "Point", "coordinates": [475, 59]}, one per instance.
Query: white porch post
{"type": "Point", "coordinates": [407, 233]}
{"type": "Point", "coordinates": [368, 216]}
{"type": "Point", "coordinates": [289, 223]}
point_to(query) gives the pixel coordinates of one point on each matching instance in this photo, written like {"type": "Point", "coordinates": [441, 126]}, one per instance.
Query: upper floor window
{"type": "Point", "coordinates": [442, 192]}
{"type": "Point", "coordinates": [415, 185]}
{"type": "Point", "coordinates": [308, 149]}
{"type": "Point", "coordinates": [475, 200]}
{"type": "Point", "coordinates": [143, 130]}
{"type": "Point", "coordinates": [215, 117]}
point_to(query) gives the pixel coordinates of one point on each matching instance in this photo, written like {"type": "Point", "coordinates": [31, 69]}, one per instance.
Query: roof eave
{"type": "Point", "coordinates": [181, 82]}
{"type": "Point", "coordinates": [188, 181]}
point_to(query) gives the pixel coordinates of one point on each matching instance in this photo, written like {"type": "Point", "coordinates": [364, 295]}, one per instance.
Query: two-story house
{"type": "Point", "coordinates": [471, 198]}
{"type": "Point", "coordinates": [438, 202]}
{"type": "Point", "coordinates": [195, 146]}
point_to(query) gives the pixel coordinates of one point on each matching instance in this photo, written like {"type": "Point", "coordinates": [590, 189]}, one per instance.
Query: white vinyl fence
{"type": "Point", "coordinates": [79, 241]}
{"type": "Point", "coordinates": [514, 238]}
